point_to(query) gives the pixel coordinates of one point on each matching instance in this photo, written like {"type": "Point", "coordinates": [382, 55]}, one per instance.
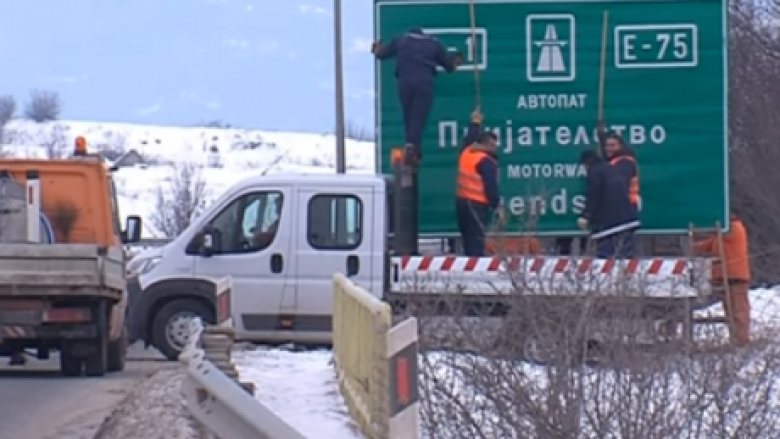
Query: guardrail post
{"type": "Point", "coordinates": [218, 345]}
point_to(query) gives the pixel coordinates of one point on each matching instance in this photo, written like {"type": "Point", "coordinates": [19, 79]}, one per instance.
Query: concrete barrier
{"type": "Point", "coordinates": [376, 363]}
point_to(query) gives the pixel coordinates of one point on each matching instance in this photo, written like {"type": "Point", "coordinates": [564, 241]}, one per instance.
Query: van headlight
{"type": "Point", "coordinates": [142, 266]}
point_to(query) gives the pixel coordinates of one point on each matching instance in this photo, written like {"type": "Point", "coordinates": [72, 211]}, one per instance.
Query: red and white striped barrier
{"type": "Point", "coordinates": [658, 276]}
{"type": "Point", "coordinates": [540, 265]}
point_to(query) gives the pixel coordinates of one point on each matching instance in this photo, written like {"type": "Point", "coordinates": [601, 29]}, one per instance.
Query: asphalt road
{"type": "Point", "coordinates": [37, 403]}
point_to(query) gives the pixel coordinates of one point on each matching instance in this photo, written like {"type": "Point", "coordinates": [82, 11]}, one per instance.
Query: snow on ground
{"type": "Point", "coordinates": [299, 387]}
{"type": "Point", "coordinates": [764, 310]}
{"type": "Point", "coordinates": [241, 153]}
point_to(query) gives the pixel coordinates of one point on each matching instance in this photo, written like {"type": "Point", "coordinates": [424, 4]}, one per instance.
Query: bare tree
{"type": "Point", "coordinates": [7, 109]}
{"type": "Point", "coordinates": [576, 354]}
{"type": "Point", "coordinates": [7, 112]}
{"type": "Point", "coordinates": [55, 142]}
{"type": "Point", "coordinates": [43, 106]}
{"type": "Point", "coordinates": [357, 132]}
{"type": "Point", "coordinates": [114, 147]}
{"type": "Point", "coordinates": [181, 202]}
{"type": "Point", "coordinates": [754, 58]}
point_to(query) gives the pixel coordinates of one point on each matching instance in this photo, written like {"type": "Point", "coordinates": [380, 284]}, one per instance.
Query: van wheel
{"type": "Point", "coordinates": [170, 328]}
{"type": "Point", "coordinates": [96, 363]}
{"type": "Point", "coordinates": [117, 353]}
{"type": "Point", "coordinates": [70, 365]}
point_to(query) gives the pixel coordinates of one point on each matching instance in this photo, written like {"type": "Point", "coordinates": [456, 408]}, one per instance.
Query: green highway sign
{"type": "Point", "coordinates": [539, 65]}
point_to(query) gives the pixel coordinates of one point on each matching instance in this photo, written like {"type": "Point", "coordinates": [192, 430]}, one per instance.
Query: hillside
{"type": "Point", "coordinates": [220, 157]}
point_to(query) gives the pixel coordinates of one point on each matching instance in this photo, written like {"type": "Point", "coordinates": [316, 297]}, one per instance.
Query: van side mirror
{"type": "Point", "coordinates": [211, 242]}
{"type": "Point", "coordinates": [132, 232]}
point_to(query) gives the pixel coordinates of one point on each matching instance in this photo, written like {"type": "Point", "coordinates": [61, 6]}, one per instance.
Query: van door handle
{"type": "Point", "coordinates": [277, 263]}
{"type": "Point", "coordinates": [353, 265]}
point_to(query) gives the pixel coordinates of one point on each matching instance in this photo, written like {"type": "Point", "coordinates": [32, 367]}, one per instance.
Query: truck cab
{"type": "Point", "coordinates": [62, 281]}
{"type": "Point", "coordinates": [280, 238]}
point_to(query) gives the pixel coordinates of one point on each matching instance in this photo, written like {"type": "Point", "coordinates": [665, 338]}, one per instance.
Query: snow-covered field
{"type": "Point", "coordinates": [240, 153]}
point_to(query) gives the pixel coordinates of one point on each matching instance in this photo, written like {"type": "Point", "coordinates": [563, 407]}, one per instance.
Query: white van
{"type": "Point", "coordinates": [281, 238]}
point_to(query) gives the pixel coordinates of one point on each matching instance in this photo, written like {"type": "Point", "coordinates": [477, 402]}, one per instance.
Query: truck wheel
{"type": "Point", "coordinates": [70, 365]}
{"type": "Point", "coordinates": [170, 328]}
{"type": "Point", "coordinates": [96, 362]}
{"type": "Point", "coordinates": [117, 353]}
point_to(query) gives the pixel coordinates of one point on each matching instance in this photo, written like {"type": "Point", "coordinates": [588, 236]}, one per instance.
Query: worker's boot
{"type": "Point", "coordinates": [410, 155]}
{"type": "Point", "coordinates": [17, 359]}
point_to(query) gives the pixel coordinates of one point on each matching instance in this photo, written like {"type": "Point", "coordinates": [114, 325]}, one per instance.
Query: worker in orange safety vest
{"type": "Point", "coordinates": [477, 188]}
{"type": "Point", "coordinates": [623, 159]}
{"type": "Point", "coordinates": [733, 271]}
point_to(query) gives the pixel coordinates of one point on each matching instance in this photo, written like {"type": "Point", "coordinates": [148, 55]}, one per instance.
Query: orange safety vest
{"type": "Point", "coordinates": [633, 188]}
{"type": "Point", "coordinates": [736, 265]}
{"type": "Point", "coordinates": [470, 185]}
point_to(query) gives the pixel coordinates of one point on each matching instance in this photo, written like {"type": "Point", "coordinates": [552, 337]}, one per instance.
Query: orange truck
{"type": "Point", "coordinates": [62, 266]}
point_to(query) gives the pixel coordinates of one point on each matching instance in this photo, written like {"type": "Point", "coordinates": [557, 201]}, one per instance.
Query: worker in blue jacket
{"type": "Point", "coordinates": [417, 57]}
{"type": "Point", "coordinates": [477, 190]}
{"type": "Point", "coordinates": [608, 215]}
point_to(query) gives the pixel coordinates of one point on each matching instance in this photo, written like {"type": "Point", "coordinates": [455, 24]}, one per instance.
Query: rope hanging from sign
{"type": "Point", "coordinates": [603, 64]}
{"type": "Point", "coordinates": [473, 57]}
{"type": "Point", "coordinates": [602, 73]}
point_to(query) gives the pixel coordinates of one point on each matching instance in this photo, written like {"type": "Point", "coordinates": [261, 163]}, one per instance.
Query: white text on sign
{"type": "Point", "coordinates": [475, 53]}
{"type": "Point", "coordinates": [656, 46]}
{"type": "Point", "coordinates": [511, 137]}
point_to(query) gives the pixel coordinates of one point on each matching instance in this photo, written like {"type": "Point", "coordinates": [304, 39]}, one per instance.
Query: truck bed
{"type": "Point", "coordinates": [61, 270]}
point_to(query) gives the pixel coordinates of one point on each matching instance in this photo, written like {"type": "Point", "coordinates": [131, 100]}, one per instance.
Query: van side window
{"type": "Point", "coordinates": [335, 222]}
{"type": "Point", "coordinates": [249, 223]}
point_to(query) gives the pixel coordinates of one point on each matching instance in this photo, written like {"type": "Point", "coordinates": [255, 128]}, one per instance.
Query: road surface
{"type": "Point", "coordinates": [36, 403]}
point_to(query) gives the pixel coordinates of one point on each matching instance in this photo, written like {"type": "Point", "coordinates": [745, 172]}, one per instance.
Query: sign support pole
{"type": "Point", "coordinates": [341, 142]}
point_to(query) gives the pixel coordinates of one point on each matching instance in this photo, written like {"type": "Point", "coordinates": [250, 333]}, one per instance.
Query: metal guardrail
{"type": "Point", "coordinates": [221, 406]}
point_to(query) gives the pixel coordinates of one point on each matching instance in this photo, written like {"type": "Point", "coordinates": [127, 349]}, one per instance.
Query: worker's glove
{"type": "Point", "coordinates": [500, 217]}
{"type": "Point", "coordinates": [582, 223]}
{"type": "Point", "coordinates": [457, 59]}
{"type": "Point", "coordinates": [376, 46]}
{"type": "Point", "coordinates": [477, 117]}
